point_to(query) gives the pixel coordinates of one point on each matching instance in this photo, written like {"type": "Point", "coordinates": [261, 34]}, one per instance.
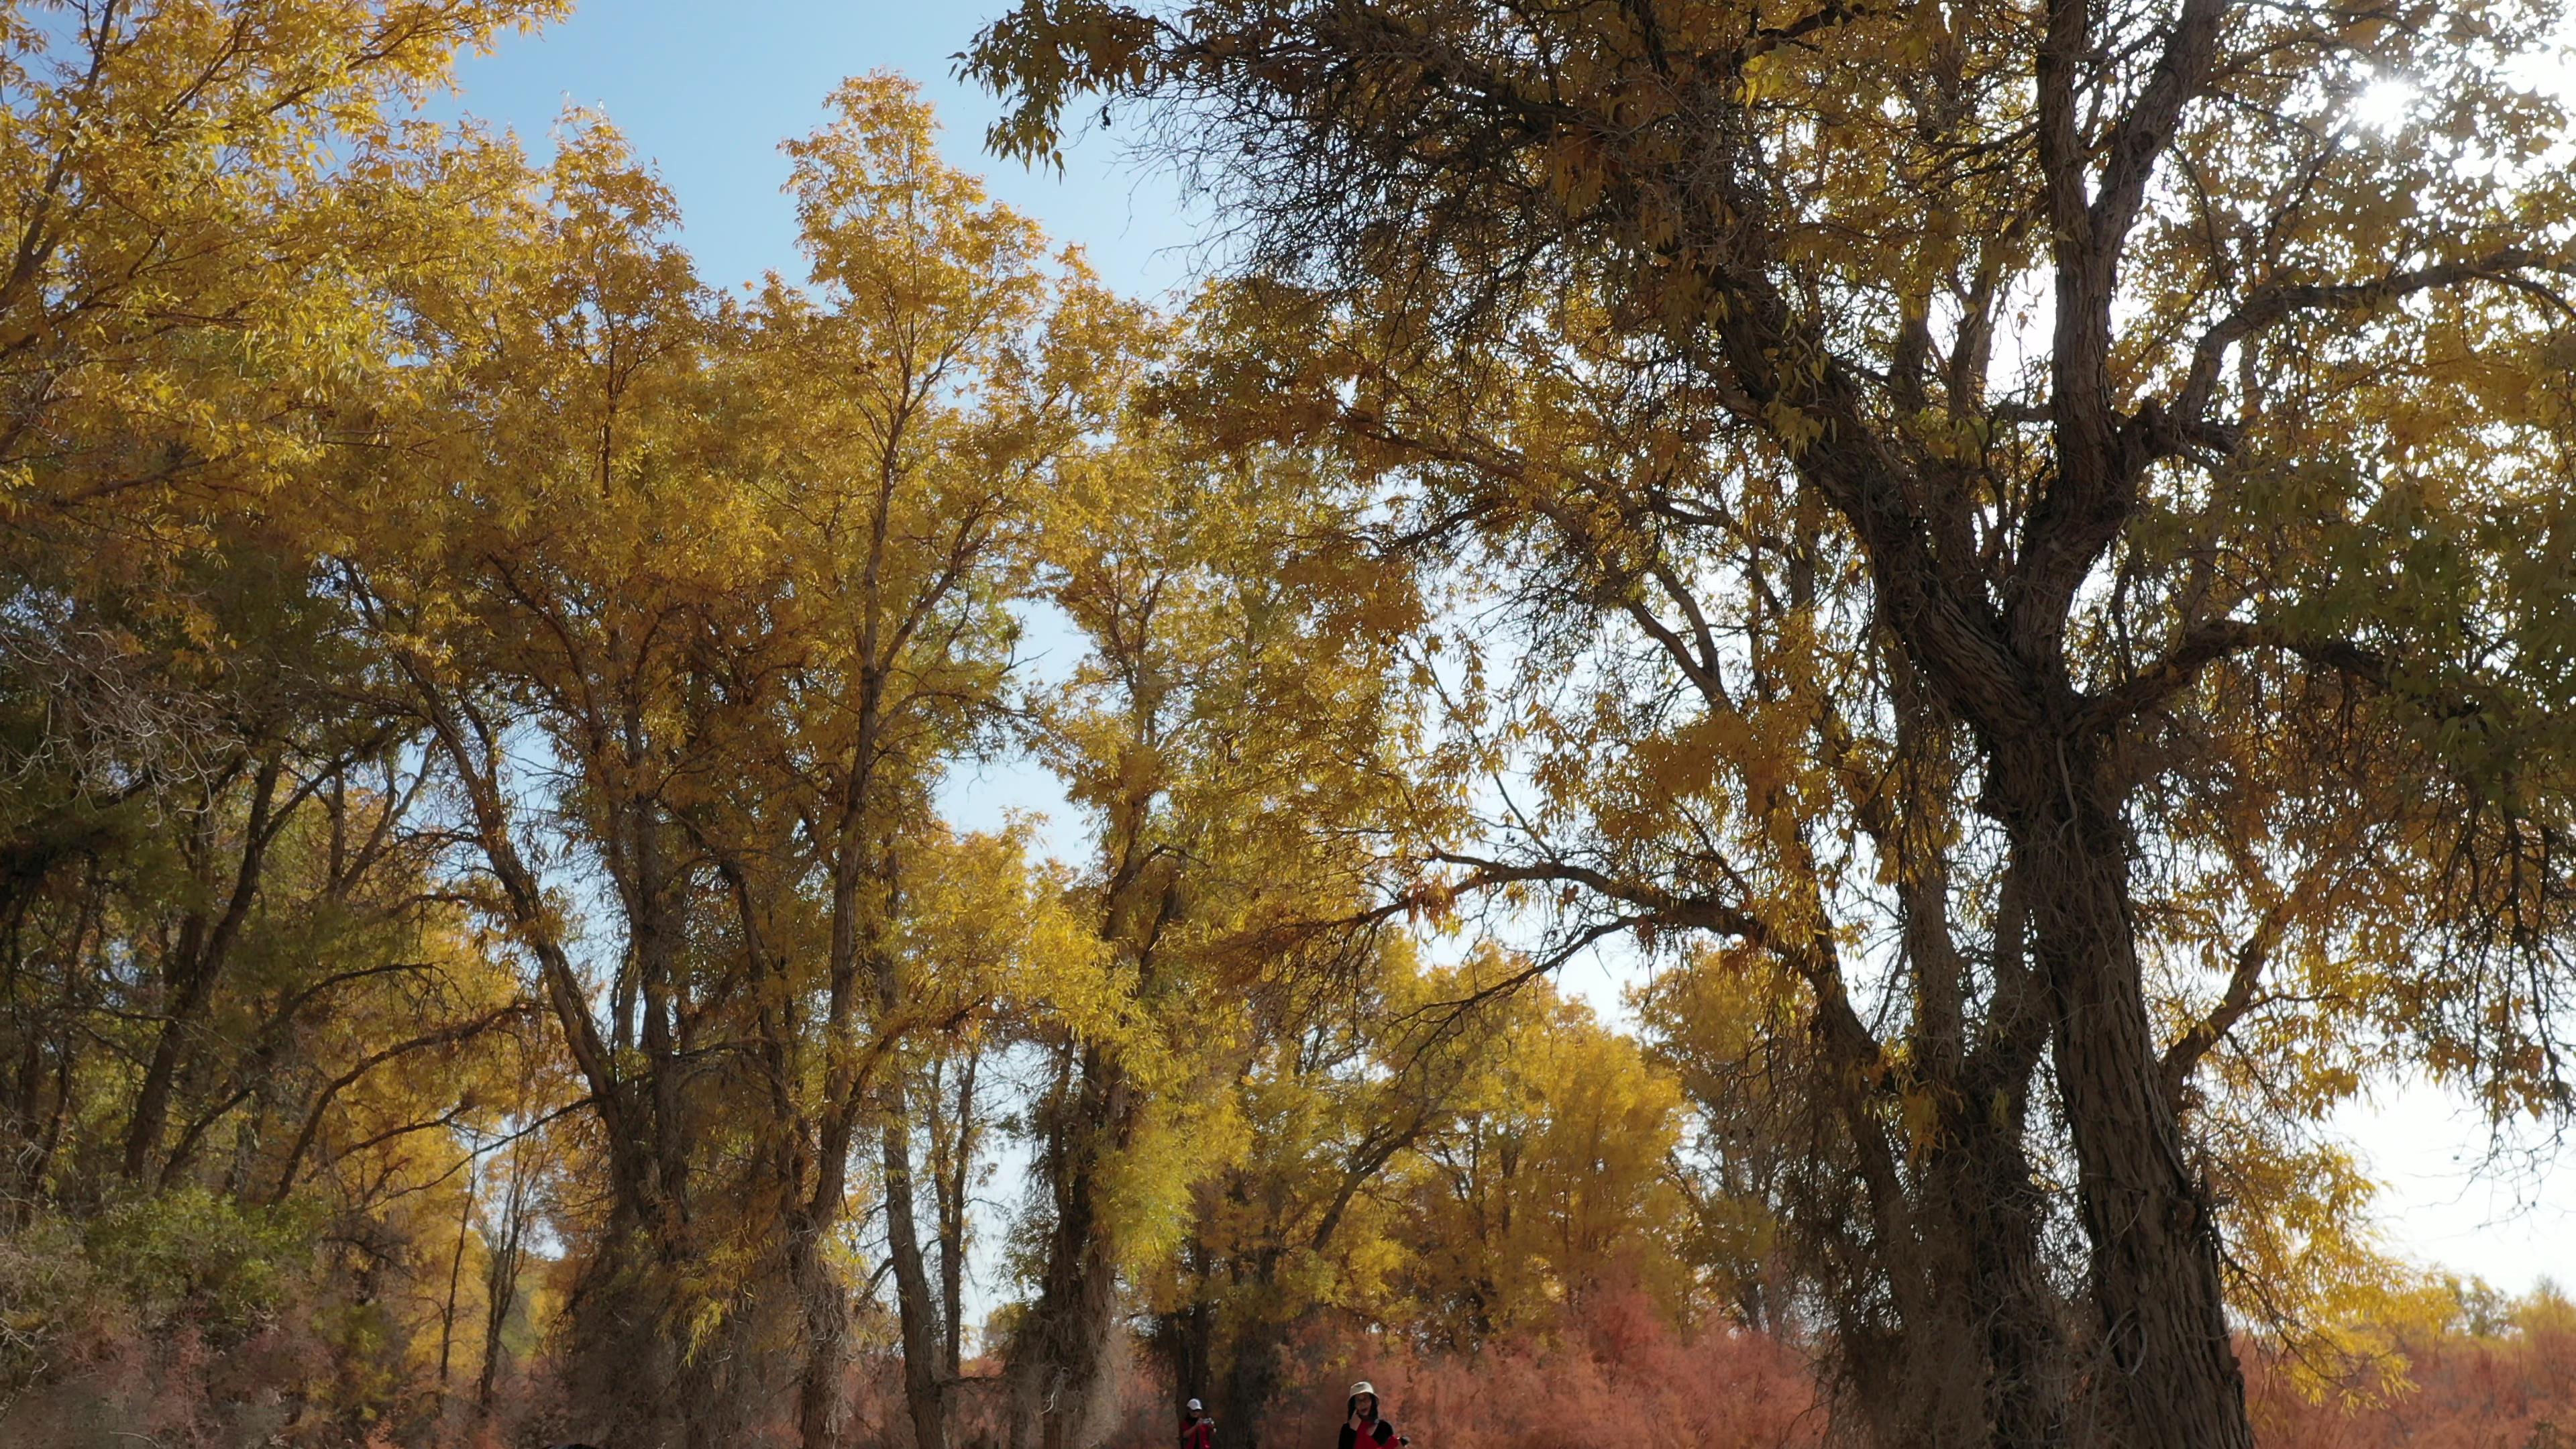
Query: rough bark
{"type": "Point", "coordinates": [2170, 1374]}
{"type": "Point", "coordinates": [1060, 1357]}
{"type": "Point", "coordinates": [823, 1301]}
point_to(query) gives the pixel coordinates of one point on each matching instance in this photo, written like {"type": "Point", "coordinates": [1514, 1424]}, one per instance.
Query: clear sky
{"type": "Point", "coordinates": [707, 92]}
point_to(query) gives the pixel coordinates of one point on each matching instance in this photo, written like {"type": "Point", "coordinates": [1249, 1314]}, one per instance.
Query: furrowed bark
{"type": "Point", "coordinates": [2170, 1376]}
{"type": "Point", "coordinates": [923, 1393]}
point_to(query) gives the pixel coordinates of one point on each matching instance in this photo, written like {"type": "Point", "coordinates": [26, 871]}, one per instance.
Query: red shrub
{"type": "Point", "coordinates": [2514, 1389]}
{"type": "Point", "coordinates": [1617, 1373]}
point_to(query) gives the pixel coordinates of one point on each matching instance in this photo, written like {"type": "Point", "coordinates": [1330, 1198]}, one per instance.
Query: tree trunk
{"type": "Point", "coordinates": [502, 1283]}
{"type": "Point", "coordinates": [1993, 1208]}
{"type": "Point", "coordinates": [953, 1139]}
{"type": "Point", "coordinates": [205, 943]}
{"type": "Point", "coordinates": [1061, 1354]}
{"type": "Point", "coordinates": [623, 1364]}
{"type": "Point", "coordinates": [1255, 1344]}
{"type": "Point", "coordinates": [923, 1393]}
{"type": "Point", "coordinates": [1187, 1338]}
{"type": "Point", "coordinates": [455, 1281]}
{"type": "Point", "coordinates": [2168, 1363]}
{"type": "Point", "coordinates": [823, 1301]}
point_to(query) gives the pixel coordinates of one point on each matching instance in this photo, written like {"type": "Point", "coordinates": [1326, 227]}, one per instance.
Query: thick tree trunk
{"type": "Point", "coordinates": [2169, 1372]}
{"type": "Point", "coordinates": [623, 1365]}
{"type": "Point", "coordinates": [1894, 1269]}
{"type": "Point", "coordinates": [1061, 1354]}
{"type": "Point", "coordinates": [823, 1302]}
{"type": "Point", "coordinates": [1254, 1348]}
{"type": "Point", "coordinates": [1994, 1203]}
{"type": "Point", "coordinates": [1187, 1339]}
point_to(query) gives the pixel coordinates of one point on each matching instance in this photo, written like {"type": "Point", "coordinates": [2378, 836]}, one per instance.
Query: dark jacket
{"type": "Point", "coordinates": [1377, 1431]}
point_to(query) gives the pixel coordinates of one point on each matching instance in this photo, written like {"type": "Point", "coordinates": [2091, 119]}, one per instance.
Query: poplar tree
{"type": "Point", "coordinates": [2040, 520]}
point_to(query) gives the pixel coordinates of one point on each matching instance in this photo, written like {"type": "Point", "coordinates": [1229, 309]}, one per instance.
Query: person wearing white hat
{"type": "Point", "coordinates": [1198, 1431]}
{"type": "Point", "coordinates": [1366, 1428]}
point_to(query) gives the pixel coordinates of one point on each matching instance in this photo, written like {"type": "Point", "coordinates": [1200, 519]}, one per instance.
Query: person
{"type": "Point", "coordinates": [1366, 1428]}
{"type": "Point", "coordinates": [1198, 1431]}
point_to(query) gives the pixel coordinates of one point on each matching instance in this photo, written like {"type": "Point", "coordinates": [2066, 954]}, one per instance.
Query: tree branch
{"type": "Point", "coordinates": [2206, 1033]}
{"type": "Point", "coordinates": [2268, 306]}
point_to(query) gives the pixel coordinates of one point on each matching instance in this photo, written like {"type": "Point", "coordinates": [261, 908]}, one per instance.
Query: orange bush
{"type": "Point", "coordinates": [2513, 1387]}
{"type": "Point", "coordinates": [1615, 1372]}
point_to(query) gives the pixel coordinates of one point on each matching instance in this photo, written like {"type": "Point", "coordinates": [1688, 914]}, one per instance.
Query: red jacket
{"type": "Point", "coordinates": [1199, 1433]}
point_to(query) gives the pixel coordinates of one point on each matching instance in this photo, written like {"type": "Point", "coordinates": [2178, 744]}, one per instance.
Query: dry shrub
{"type": "Point", "coordinates": [1615, 1372]}
{"type": "Point", "coordinates": [2513, 1387]}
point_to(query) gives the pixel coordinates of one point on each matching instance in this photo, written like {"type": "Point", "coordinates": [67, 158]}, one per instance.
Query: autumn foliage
{"type": "Point", "coordinates": [2001, 561]}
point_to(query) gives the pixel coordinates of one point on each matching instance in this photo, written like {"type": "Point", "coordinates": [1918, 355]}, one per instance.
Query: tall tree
{"type": "Point", "coordinates": [1978, 479]}
{"type": "Point", "coordinates": [1236, 735]}
{"type": "Point", "coordinates": [564, 571]}
{"type": "Point", "coordinates": [916, 410]}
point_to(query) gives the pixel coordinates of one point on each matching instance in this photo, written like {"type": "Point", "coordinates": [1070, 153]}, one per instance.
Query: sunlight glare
{"type": "Point", "coordinates": [2383, 106]}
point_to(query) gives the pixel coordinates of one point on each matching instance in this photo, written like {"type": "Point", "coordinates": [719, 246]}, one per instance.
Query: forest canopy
{"type": "Point", "coordinates": [2005, 563]}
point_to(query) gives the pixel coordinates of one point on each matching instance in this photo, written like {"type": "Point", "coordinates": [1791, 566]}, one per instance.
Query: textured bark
{"type": "Point", "coordinates": [2169, 1372]}
{"type": "Point", "coordinates": [1991, 1201]}
{"type": "Point", "coordinates": [1061, 1356]}
{"type": "Point", "coordinates": [823, 1301]}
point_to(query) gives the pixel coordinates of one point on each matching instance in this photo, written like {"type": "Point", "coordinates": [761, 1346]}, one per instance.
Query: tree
{"type": "Point", "coordinates": [921, 408]}
{"type": "Point", "coordinates": [209, 202]}
{"type": "Point", "coordinates": [238, 1007]}
{"type": "Point", "coordinates": [212, 201]}
{"type": "Point", "coordinates": [1237, 735]}
{"type": "Point", "coordinates": [1544, 1183]}
{"type": "Point", "coordinates": [736, 578]}
{"type": "Point", "coordinates": [544, 563]}
{"type": "Point", "coordinates": [1990, 482]}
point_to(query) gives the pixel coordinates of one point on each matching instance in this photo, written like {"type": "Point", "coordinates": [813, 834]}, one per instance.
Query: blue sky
{"type": "Point", "coordinates": [707, 92]}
